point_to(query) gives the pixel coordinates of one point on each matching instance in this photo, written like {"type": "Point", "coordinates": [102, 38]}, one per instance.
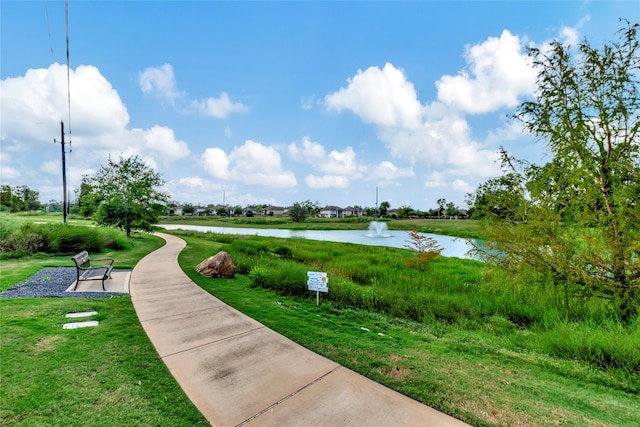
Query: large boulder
{"type": "Point", "coordinates": [219, 265]}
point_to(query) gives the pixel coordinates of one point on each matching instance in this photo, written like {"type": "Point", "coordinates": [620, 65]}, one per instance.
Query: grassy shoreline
{"type": "Point", "coordinates": [450, 227]}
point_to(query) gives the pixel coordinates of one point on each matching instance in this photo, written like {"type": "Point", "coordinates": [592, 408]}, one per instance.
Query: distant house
{"type": "Point", "coordinates": [332, 212]}
{"type": "Point", "coordinates": [351, 211]}
{"type": "Point", "coordinates": [175, 210]}
{"type": "Point", "coordinates": [277, 210]}
{"type": "Point", "coordinates": [251, 210]}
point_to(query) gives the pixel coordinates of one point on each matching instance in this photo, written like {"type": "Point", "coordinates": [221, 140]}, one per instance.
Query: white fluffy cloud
{"type": "Point", "coordinates": [161, 82]}
{"type": "Point", "coordinates": [218, 107]}
{"type": "Point", "coordinates": [380, 96]}
{"type": "Point", "coordinates": [326, 181]}
{"type": "Point", "coordinates": [435, 137]}
{"type": "Point", "coordinates": [386, 172]}
{"type": "Point", "coordinates": [34, 104]}
{"type": "Point", "coordinates": [337, 169]}
{"type": "Point", "coordinates": [252, 164]}
{"type": "Point", "coordinates": [499, 73]}
{"type": "Point", "coordinates": [333, 163]}
{"type": "Point", "coordinates": [32, 107]}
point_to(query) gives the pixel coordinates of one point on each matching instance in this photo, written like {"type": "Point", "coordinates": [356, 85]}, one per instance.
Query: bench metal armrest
{"type": "Point", "coordinates": [103, 259]}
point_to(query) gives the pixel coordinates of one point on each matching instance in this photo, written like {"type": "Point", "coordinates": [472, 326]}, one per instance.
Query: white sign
{"type": "Point", "coordinates": [317, 281]}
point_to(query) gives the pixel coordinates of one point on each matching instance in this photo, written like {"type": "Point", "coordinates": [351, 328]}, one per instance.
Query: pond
{"type": "Point", "coordinates": [453, 246]}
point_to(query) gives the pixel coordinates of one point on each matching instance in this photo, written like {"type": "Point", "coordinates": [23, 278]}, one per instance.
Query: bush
{"type": "Point", "coordinates": [283, 251]}
{"type": "Point", "coordinates": [31, 238]}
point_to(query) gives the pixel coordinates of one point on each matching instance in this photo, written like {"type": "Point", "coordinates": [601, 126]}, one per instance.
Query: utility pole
{"type": "Point", "coordinates": [377, 210]}
{"type": "Point", "coordinates": [65, 203]}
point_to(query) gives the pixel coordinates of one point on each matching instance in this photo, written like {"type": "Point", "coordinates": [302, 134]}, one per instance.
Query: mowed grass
{"type": "Point", "coordinates": [109, 375]}
{"type": "Point", "coordinates": [483, 376]}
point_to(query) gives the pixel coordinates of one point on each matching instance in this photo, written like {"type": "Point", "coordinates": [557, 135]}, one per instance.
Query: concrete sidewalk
{"type": "Point", "coordinates": [238, 372]}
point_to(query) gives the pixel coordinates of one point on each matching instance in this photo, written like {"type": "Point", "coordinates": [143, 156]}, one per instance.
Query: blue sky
{"type": "Point", "coordinates": [279, 102]}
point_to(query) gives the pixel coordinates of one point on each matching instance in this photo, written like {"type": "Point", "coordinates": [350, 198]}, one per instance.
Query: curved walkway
{"type": "Point", "coordinates": [238, 372]}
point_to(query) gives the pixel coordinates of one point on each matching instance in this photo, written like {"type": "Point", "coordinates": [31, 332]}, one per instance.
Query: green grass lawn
{"type": "Point", "coordinates": [109, 375]}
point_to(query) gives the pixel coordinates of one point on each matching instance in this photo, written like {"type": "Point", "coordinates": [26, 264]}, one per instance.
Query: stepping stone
{"type": "Point", "coordinates": [83, 314]}
{"type": "Point", "coordinates": [77, 325]}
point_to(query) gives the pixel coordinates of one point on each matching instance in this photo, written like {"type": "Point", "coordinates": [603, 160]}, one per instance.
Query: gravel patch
{"type": "Point", "coordinates": [51, 282]}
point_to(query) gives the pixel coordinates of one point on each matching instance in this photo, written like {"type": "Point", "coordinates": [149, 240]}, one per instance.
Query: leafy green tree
{"type": "Point", "coordinates": [19, 199]}
{"type": "Point", "coordinates": [313, 208]}
{"type": "Point", "coordinates": [298, 212]}
{"type": "Point", "coordinates": [188, 209]}
{"type": "Point", "coordinates": [579, 215]}
{"type": "Point", "coordinates": [6, 196]}
{"type": "Point", "coordinates": [129, 193]}
{"type": "Point", "coordinates": [500, 197]}
{"type": "Point", "coordinates": [237, 210]}
{"type": "Point", "coordinates": [384, 208]}
{"type": "Point", "coordinates": [405, 211]}
{"type": "Point", "coordinates": [451, 209]}
{"type": "Point", "coordinates": [222, 211]}
{"type": "Point", "coordinates": [88, 200]}
{"type": "Point", "coordinates": [441, 206]}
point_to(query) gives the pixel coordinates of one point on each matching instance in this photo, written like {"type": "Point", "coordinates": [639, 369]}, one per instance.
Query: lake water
{"type": "Point", "coordinates": [453, 246]}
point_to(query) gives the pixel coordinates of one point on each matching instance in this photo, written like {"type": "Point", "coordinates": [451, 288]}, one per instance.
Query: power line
{"type": "Point", "coordinates": [66, 13]}
{"type": "Point", "coordinates": [46, 11]}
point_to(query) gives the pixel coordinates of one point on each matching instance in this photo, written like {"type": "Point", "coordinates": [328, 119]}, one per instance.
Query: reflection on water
{"type": "Point", "coordinates": [453, 246]}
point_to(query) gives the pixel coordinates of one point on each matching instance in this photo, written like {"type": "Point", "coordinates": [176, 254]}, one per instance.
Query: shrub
{"type": "Point", "coordinates": [31, 238]}
{"type": "Point", "coordinates": [283, 251]}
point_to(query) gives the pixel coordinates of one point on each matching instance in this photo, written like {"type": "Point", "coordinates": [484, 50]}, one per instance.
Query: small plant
{"type": "Point", "coordinates": [425, 250]}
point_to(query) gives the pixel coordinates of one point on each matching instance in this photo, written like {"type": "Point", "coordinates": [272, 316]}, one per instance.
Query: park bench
{"type": "Point", "coordinates": [88, 272]}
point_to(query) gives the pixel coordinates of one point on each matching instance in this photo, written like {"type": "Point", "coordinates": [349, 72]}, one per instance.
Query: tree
{"type": "Point", "coordinates": [579, 215]}
{"type": "Point", "coordinates": [129, 193]}
{"type": "Point", "coordinates": [451, 209]}
{"type": "Point", "coordinates": [19, 199]}
{"type": "Point", "coordinates": [237, 210]}
{"type": "Point", "coordinates": [384, 208]}
{"type": "Point", "coordinates": [298, 212]}
{"type": "Point", "coordinates": [424, 251]}
{"type": "Point", "coordinates": [500, 197]}
{"type": "Point", "coordinates": [441, 205]}
{"type": "Point", "coordinates": [188, 209]}
{"type": "Point", "coordinates": [313, 208]}
{"type": "Point", "coordinates": [405, 211]}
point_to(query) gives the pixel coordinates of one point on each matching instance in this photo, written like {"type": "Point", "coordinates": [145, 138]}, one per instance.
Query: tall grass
{"type": "Point", "coordinates": [453, 291]}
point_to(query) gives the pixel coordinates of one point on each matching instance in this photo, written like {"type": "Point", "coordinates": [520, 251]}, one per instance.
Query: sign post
{"type": "Point", "coordinates": [319, 282]}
